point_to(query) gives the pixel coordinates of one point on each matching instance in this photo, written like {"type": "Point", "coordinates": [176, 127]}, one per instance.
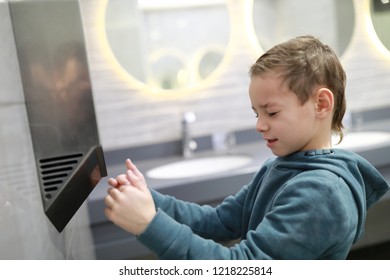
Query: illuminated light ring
{"type": "Point", "coordinates": [124, 75]}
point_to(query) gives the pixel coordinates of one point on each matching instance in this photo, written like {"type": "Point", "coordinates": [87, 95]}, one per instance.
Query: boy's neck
{"type": "Point", "coordinates": [322, 140]}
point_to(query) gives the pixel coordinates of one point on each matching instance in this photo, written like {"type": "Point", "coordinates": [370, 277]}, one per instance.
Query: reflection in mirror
{"type": "Point", "coordinates": [380, 16]}
{"type": "Point", "coordinates": [168, 70]}
{"type": "Point", "coordinates": [157, 42]}
{"type": "Point", "coordinates": [332, 21]}
{"type": "Point", "coordinates": [208, 61]}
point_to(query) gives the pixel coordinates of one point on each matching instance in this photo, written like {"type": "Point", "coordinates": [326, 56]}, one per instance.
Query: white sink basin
{"type": "Point", "coordinates": [362, 140]}
{"type": "Point", "coordinates": [198, 167]}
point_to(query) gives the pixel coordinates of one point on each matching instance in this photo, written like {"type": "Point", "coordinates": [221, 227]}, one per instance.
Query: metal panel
{"type": "Point", "coordinates": [52, 56]}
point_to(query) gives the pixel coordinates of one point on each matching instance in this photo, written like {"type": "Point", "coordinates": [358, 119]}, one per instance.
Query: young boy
{"type": "Point", "coordinates": [309, 202]}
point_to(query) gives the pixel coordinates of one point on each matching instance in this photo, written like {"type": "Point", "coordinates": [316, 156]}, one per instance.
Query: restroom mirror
{"type": "Point", "coordinates": [159, 43]}
{"type": "Point", "coordinates": [380, 16]}
{"type": "Point", "coordinates": [332, 21]}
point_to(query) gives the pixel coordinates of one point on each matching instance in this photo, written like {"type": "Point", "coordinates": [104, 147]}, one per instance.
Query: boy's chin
{"type": "Point", "coordinates": [281, 153]}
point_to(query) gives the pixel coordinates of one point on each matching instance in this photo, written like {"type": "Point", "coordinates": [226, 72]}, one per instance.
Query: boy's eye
{"type": "Point", "coordinates": [271, 114]}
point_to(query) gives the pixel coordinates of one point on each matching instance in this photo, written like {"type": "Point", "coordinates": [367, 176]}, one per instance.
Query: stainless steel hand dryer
{"type": "Point", "coordinates": [58, 94]}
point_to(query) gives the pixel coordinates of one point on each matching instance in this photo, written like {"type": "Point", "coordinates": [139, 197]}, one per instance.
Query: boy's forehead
{"type": "Point", "coordinates": [269, 78]}
{"type": "Point", "coordinates": [270, 91]}
{"type": "Point", "coordinates": [267, 86]}
{"type": "Point", "coordinates": [269, 104]}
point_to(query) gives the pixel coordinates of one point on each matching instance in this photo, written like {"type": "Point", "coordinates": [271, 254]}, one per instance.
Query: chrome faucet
{"type": "Point", "coordinates": [188, 144]}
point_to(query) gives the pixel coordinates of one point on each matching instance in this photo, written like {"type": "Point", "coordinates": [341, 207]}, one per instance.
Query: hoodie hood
{"type": "Point", "coordinates": [364, 180]}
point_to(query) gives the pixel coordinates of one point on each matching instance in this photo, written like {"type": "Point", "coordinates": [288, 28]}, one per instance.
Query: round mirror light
{"type": "Point", "coordinates": [157, 42]}
{"type": "Point", "coordinates": [380, 17]}
{"type": "Point", "coordinates": [331, 21]}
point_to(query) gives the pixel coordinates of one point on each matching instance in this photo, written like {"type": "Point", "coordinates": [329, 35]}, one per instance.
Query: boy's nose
{"type": "Point", "coordinates": [261, 125]}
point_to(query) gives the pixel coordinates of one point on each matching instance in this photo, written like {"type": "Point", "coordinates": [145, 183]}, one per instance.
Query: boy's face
{"type": "Point", "coordinates": [287, 126]}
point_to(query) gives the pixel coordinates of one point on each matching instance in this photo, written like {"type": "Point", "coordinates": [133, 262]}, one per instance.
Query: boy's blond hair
{"type": "Point", "coordinates": [305, 62]}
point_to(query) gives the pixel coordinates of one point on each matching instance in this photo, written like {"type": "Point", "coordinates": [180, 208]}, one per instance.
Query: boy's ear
{"type": "Point", "coordinates": [324, 102]}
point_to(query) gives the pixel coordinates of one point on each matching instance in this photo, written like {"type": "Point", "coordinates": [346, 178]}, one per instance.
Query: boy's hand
{"type": "Point", "coordinates": [129, 202]}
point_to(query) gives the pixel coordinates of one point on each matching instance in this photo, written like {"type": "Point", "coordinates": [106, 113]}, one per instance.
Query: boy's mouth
{"type": "Point", "coordinates": [270, 142]}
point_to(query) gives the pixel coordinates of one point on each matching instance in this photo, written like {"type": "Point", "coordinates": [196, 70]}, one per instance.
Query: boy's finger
{"type": "Point", "coordinates": [134, 180]}
{"type": "Point", "coordinates": [131, 166]}
{"type": "Point", "coordinates": [128, 164]}
{"type": "Point", "coordinates": [114, 193]}
{"type": "Point", "coordinates": [122, 180]}
{"type": "Point", "coordinates": [108, 201]}
{"type": "Point", "coordinates": [112, 182]}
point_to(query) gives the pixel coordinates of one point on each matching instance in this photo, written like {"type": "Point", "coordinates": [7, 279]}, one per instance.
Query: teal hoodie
{"type": "Point", "coordinates": [308, 205]}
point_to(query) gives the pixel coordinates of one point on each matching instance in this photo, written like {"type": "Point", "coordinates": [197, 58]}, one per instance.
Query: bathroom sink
{"type": "Point", "coordinates": [362, 140]}
{"type": "Point", "coordinates": [198, 167]}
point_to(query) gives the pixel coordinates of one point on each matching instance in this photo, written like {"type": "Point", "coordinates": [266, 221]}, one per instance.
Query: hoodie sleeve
{"type": "Point", "coordinates": [182, 230]}
{"type": "Point", "coordinates": [221, 224]}
{"type": "Point", "coordinates": [311, 217]}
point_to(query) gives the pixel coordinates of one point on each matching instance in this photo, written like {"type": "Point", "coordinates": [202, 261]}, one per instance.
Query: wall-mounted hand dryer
{"type": "Point", "coordinates": [53, 63]}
